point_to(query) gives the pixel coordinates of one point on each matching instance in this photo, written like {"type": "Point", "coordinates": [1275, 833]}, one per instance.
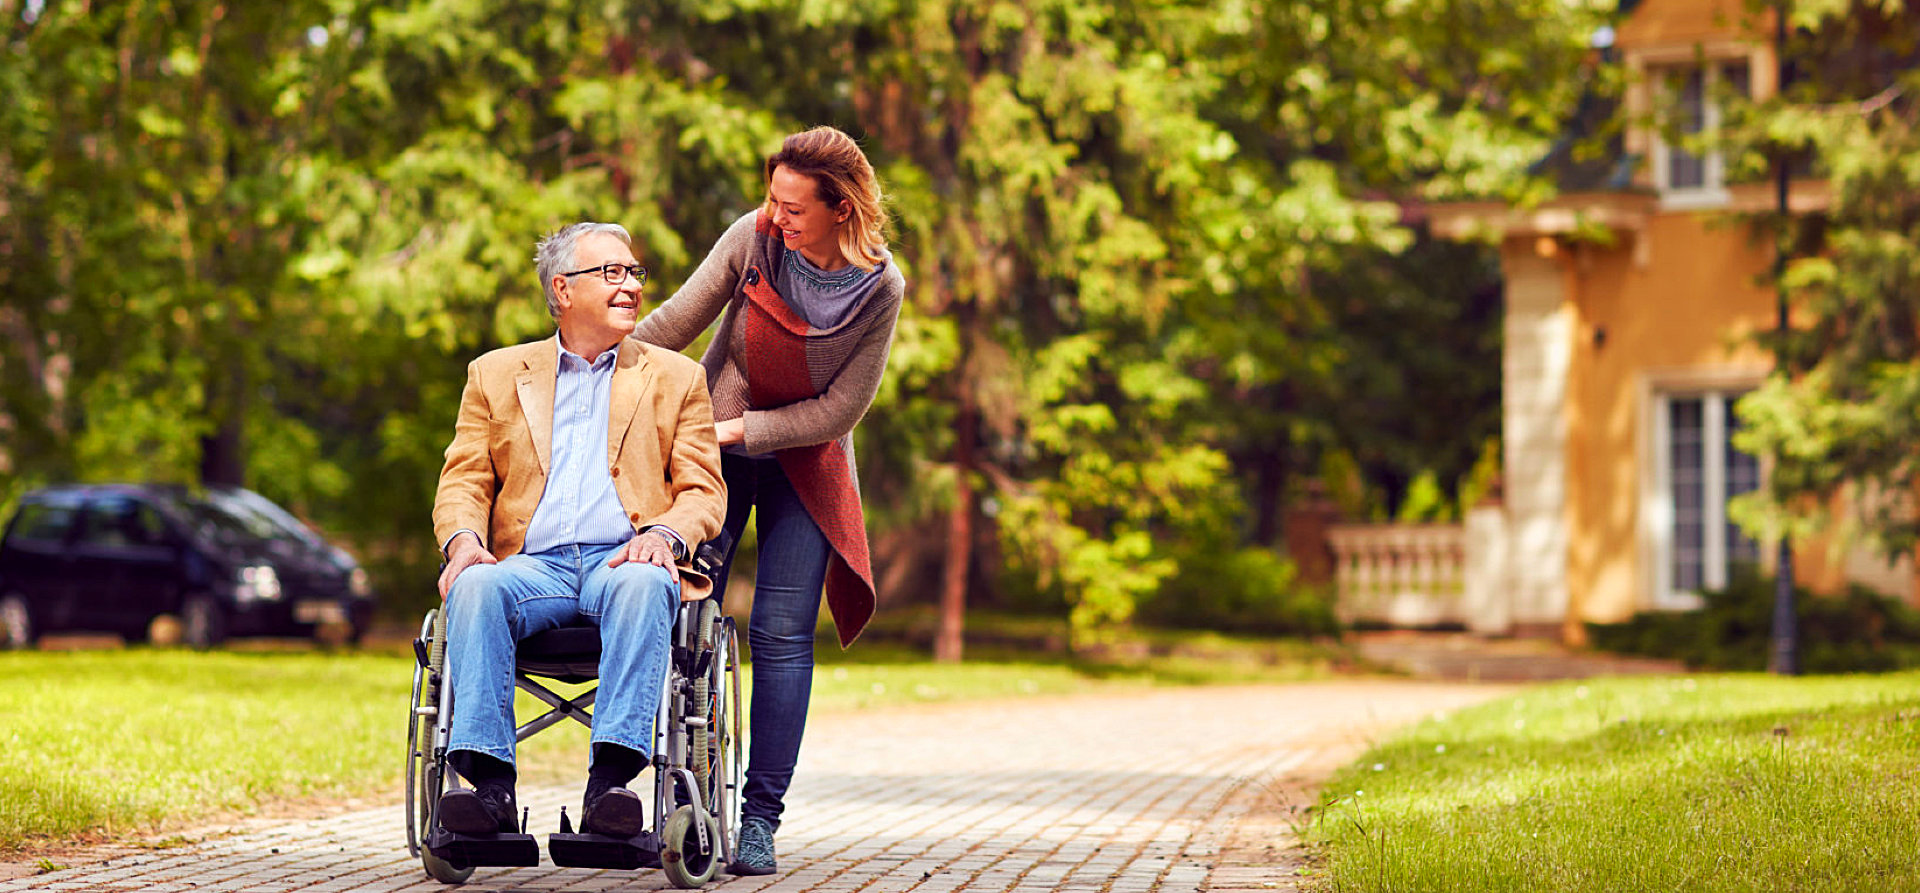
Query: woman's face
{"type": "Point", "coordinates": [806, 223]}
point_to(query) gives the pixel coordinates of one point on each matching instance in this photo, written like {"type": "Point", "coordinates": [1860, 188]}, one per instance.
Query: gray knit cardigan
{"type": "Point", "coordinates": [845, 362]}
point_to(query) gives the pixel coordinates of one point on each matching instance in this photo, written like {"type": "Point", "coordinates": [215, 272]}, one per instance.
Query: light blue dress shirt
{"type": "Point", "coordinates": [580, 506]}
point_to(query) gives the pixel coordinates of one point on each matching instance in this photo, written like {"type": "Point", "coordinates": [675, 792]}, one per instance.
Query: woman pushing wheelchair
{"type": "Point", "coordinates": [807, 296]}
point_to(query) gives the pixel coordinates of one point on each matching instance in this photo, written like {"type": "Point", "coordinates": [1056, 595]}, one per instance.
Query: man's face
{"type": "Point", "coordinates": [590, 308]}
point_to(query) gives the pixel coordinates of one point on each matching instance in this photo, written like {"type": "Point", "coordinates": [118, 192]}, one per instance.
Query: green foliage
{"type": "Point", "coordinates": [1857, 631]}
{"type": "Point", "coordinates": [1425, 502]}
{"type": "Point", "coordinates": [1481, 478]}
{"type": "Point", "coordinates": [1248, 590]}
{"type": "Point", "coordinates": [1157, 265]}
{"type": "Point", "coordinates": [1840, 430]}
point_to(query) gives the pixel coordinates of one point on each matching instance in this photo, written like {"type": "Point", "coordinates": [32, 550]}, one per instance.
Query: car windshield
{"type": "Point", "coordinates": [269, 521]}
{"type": "Point", "coordinates": [218, 524]}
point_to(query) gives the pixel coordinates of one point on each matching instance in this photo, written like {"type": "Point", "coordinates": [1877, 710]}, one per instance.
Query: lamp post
{"type": "Point", "coordinates": [1783, 655]}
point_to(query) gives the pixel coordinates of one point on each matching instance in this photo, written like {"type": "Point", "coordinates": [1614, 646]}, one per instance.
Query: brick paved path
{"type": "Point", "coordinates": [1170, 790]}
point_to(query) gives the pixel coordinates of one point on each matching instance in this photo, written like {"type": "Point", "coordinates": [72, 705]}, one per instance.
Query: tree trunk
{"type": "Point", "coordinates": [223, 458]}
{"type": "Point", "coordinates": [1269, 490]}
{"type": "Point", "coordinates": [949, 642]}
{"type": "Point", "coordinates": [222, 461]}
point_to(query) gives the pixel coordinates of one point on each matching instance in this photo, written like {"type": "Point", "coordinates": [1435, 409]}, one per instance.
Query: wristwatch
{"type": "Point", "coordinates": [674, 543]}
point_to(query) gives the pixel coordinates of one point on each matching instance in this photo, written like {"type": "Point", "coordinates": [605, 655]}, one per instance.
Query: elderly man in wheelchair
{"type": "Point", "coordinates": [582, 480]}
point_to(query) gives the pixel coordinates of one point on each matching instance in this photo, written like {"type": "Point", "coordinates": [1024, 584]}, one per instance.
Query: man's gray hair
{"type": "Point", "coordinates": [555, 255]}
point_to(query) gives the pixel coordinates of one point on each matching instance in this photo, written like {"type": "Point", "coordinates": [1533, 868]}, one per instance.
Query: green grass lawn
{"type": "Point", "coordinates": [122, 741]}
{"type": "Point", "coordinates": [1734, 783]}
{"type": "Point", "coordinates": [137, 741]}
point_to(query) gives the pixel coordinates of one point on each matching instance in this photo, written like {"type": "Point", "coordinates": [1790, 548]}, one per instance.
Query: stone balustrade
{"type": "Point", "coordinates": [1406, 575]}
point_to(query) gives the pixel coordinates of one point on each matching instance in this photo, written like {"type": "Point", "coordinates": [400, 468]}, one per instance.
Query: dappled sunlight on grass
{"type": "Point", "coordinates": [1696, 783]}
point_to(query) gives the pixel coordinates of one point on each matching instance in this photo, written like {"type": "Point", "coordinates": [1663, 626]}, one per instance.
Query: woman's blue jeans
{"type": "Point", "coordinates": [491, 607]}
{"type": "Point", "coordinates": [786, 604]}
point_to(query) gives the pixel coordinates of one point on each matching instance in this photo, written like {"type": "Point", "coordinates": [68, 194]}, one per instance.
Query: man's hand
{"type": "Point", "coordinates": [465, 552]}
{"type": "Point", "coordinates": [651, 547]}
{"type": "Point", "coordinates": [731, 431]}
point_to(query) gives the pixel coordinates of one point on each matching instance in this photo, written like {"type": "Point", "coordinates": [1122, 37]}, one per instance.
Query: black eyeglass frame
{"type": "Point", "coordinates": [636, 271]}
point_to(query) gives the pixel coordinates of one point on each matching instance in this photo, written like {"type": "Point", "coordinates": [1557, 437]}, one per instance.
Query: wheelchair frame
{"type": "Point", "coordinates": [697, 756]}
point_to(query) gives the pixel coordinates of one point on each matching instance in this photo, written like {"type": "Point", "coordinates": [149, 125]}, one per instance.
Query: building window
{"type": "Point", "coordinates": [1702, 471]}
{"type": "Point", "coordinates": [1691, 98]}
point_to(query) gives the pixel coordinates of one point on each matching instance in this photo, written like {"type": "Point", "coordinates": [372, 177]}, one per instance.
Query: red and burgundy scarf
{"type": "Point", "coordinates": [822, 475]}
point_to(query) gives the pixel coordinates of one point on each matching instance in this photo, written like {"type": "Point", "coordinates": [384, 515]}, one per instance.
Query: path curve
{"type": "Point", "coordinates": [1175, 790]}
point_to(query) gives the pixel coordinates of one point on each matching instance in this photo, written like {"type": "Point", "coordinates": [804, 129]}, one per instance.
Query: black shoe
{"type": "Point", "coordinates": [488, 810]}
{"type": "Point", "coordinates": [613, 812]}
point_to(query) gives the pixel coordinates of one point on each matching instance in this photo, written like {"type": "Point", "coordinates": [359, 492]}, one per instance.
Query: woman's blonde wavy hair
{"type": "Point", "coordinates": [840, 173]}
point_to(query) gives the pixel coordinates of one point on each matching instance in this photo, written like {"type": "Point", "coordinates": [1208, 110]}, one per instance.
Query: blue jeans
{"type": "Point", "coordinates": [493, 606]}
{"type": "Point", "coordinates": [786, 604]}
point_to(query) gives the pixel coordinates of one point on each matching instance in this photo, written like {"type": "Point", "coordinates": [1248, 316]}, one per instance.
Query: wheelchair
{"type": "Point", "coordinates": [696, 749]}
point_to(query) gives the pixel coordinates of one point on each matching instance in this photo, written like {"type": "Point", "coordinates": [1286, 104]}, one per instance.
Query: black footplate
{"type": "Point", "coordinates": [488, 850]}
{"type": "Point", "coordinates": [601, 851]}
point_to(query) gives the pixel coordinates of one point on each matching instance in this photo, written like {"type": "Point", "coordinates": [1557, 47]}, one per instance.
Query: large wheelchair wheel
{"type": "Point", "coordinates": [705, 697]}
{"type": "Point", "coordinates": [714, 746]}
{"type": "Point", "coordinates": [732, 756]}
{"type": "Point", "coordinates": [426, 772]}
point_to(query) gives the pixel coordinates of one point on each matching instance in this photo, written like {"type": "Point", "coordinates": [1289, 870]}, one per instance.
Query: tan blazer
{"type": "Point", "coordinates": [661, 450]}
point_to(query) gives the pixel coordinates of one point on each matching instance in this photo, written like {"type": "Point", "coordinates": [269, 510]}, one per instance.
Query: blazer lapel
{"type": "Point", "coordinates": [535, 385]}
{"type": "Point", "coordinates": [631, 375]}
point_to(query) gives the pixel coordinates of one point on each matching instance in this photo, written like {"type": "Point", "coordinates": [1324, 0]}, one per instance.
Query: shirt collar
{"type": "Point", "coordinates": [604, 359]}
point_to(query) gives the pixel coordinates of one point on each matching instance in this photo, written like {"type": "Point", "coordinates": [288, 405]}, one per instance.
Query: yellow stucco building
{"type": "Point", "coordinates": [1630, 302]}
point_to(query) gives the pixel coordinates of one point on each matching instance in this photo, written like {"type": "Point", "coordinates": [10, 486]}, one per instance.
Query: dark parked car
{"type": "Point", "coordinates": [226, 562]}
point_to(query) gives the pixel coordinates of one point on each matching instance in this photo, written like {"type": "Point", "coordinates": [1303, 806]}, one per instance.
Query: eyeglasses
{"type": "Point", "coordinates": [614, 274]}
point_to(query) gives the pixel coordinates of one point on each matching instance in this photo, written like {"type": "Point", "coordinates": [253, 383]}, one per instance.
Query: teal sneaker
{"type": "Point", "coordinates": [753, 854]}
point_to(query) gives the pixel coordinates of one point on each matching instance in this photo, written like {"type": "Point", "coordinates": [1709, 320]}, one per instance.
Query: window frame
{"type": "Point", "coordinates": [1712, 191]}
{"type": "Point", "coordinates": [1656, 514]}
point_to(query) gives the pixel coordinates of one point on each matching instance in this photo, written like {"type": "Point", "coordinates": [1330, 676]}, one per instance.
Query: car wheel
{"type": "Point", "coordinates": [203, 622]}
{"type": "Point", "coordinates": [165, 631]}
{"type": "Point", "coordinates": [16, 623]}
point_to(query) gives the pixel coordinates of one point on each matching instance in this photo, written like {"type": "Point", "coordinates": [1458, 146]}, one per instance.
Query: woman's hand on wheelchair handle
{"type": "Point", "coordinates": [651, 547]}
{"type": "Point", "coordinates": [465, 553]}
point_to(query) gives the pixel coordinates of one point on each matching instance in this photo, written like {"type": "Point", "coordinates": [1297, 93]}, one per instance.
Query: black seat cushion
{"type": "Point", "coordinates": [569, 654]}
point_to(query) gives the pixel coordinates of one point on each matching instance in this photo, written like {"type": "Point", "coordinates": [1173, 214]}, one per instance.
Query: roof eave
{"type": "Point", "coordinates": [1577, 214]}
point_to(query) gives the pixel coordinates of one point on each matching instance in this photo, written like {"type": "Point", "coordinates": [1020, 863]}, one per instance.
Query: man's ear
{"type": "Point", "coordinates": [561, 296]}
{"type": "Point", "coordinates": [843, 212]}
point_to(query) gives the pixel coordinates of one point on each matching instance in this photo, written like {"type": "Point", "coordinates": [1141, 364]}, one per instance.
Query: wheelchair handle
{"type": "Point", "coordinates": [712, 554]}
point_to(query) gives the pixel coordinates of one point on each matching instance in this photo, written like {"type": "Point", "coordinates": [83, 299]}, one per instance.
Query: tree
{"type": "Point", "coordinates": [251, 244]}
{"type": "Point", "coordinates": [1150, 244]}
{"type": "Point", "coordinates": [152, 172]}
{"type": "Point", "coordinates": [1843, 419]}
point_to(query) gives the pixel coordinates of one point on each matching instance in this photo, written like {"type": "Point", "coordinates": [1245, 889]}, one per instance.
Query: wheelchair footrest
{"type": "Point", "coordinates": [490, 850]}
{"type": "Point", "coordinates": [601, 851]}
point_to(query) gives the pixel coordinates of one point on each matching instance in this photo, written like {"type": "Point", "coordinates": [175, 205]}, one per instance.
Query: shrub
{"type": "Point", "coordinates": [1248, 590]}
{"type": "Point", "coordinates": [1858, 630]}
